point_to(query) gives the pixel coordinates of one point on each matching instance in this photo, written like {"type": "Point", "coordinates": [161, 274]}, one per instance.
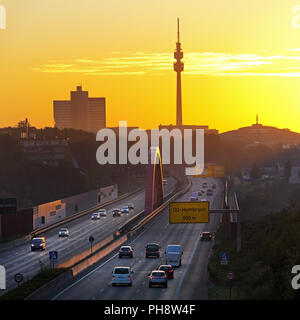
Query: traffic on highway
{"type": "Point", "coordinates": [168, 257]}
{"type": "Point", "coordinates": [72, 238]}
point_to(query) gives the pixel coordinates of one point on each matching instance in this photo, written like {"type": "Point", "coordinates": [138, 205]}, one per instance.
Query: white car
{"type": "Point", "coordinates": [203, 200]}
{"type": "Point", "coordinates": [95, 216]}
{"type": "Point", "coordinates": [63, 232]}
{"type": "Point", "coordinates": [165, 182]}
{"type": "Point", "coordinates": [125, 209]}
{"type": "Point", "coordinates": [102, 212]}
{"type": "Point", "coordinates": [122, 275]}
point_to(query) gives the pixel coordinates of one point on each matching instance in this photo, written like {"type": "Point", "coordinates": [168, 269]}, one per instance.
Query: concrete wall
{"type": "Point", "coordinates": [48, 213]}
{"type": "Point", "coordinates": [89, 199]}
{"type": "Point", "coordinates": [55, 211]}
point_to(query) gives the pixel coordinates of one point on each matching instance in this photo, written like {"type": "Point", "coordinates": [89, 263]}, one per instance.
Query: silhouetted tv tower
{"type": "Point", "coordinates": [178, 67]}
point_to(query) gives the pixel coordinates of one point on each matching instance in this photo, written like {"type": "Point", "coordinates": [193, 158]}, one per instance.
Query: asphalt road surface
{"type": "Point", "coordinates": [22, 260]}
{"type": "Point", "coordinates": [189, 280]}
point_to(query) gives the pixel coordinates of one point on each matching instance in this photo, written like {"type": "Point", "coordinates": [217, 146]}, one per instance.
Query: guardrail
{"type": "Point", "coordinates": [87, 259]}
{"type": "Point", "coordinates": [128, 223]}
{"type": "Point", "coordinates": [82, 213]}
{"type": "Point", "coordinates": [159, 209]}
{"type": "Point", "coordinates": [113, 241]}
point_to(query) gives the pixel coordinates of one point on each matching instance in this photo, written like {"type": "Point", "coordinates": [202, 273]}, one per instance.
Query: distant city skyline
{"type": "Point", "coordinates": [237, 63]}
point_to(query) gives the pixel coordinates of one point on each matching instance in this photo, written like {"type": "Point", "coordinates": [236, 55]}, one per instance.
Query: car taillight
{"type": "Point", "coordinates": [129, 277]}
{"type": "Point", "coordinates": [113, 277]}
{"type": "Point", "coordinates": [121, 250]}
{"type": "Point", "coordinates": [151, 277]}
{"type": "Point", "coordinates": [164, 277]}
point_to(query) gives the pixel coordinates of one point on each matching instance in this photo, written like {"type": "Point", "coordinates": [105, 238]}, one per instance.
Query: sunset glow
{"type": "Point", "coordinates": [241, 58]}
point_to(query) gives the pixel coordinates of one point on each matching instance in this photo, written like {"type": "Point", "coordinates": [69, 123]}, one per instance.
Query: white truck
{"type": "Point", "coordinates": [173, 255]}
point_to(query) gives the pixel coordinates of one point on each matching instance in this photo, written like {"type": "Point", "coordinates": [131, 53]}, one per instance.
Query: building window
{"type": "Point", "coordinates": [52, 213]}
{"type": "Point", "coordinates": [58, 207]}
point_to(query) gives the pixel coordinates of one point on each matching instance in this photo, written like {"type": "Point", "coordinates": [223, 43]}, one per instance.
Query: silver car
{"type": "Point", "coordinates": [158, 278]}
{"type": "Point", "coordinates": [95, 216]}
{"type": "Point", "coordinates": [125, 210]}
{"type": "Point", "coordinates": [122, 275]}
{"type": "Point", "coordinates": [102, 212]}
{"type": "Point", "coordinates": [63, 232]}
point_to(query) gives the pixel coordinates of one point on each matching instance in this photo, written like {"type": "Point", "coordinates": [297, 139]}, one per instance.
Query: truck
{"type": "Point", "coordinates": [173, 255]}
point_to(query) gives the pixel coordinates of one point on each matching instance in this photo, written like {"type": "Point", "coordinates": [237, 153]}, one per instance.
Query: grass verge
{"type": "Point", "coordinates": [30, 286]}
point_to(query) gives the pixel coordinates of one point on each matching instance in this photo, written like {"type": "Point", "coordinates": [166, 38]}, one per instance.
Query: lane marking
{"type": "Point", "coordinates": [104, 263]}
{"type": "Point", "coordinates": [97, 268]}
{"type": "Point", "coordinates": [186, 269]}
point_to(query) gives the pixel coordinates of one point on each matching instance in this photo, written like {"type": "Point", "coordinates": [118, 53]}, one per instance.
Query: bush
{"type": "Point", "coordinates": [30, 286]}
{"type": "Point", "coordinates": [270, 249]}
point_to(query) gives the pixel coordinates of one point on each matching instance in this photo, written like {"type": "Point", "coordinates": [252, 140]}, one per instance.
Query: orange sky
{"type": "Point", "coordinates": [241, 58]}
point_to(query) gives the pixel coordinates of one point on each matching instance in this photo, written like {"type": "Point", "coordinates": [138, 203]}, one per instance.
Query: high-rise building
{"type": "Point", "coordinates": [81, 112]}
{"type": "Point", "coordinates": [62, 114]}
{"type": "Point", "coordinates": [96, 114]}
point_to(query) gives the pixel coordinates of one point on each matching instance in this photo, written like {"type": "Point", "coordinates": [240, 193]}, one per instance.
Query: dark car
{"type": "Point", "coordinates": [38, 243]}
{"type": "Point", "coordinates": [209, 192]}
{"type": "Point", "coordinates": [206, 236]}
{"type": "Point", "coordinates": [126, 251]}
{"type": "Point", "coordinates": [116, 212]}
{"type": "Point", "coordinates": [131, 206]}
{"type": "Point", "coordinates": [168, 270]}
{"type": "Point", "coordinates": [152, 250]}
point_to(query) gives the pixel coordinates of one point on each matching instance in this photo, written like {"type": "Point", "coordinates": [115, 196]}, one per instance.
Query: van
{"type": "Point", "coordinates": [173, 255]}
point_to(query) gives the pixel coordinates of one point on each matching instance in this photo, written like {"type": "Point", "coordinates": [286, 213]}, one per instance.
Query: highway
{"type": "Point", "coordinates": [189, 281]}
{"type": "Point", "coordinates": [22, 260]}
